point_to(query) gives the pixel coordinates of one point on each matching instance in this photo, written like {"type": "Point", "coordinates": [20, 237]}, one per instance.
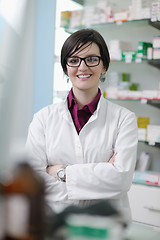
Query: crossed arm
{"type": "Point", "coordinates": [52, 170]}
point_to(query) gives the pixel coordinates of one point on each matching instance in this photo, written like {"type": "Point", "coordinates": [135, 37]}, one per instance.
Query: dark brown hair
{"type": "Point", "coordinates": [80, 38]}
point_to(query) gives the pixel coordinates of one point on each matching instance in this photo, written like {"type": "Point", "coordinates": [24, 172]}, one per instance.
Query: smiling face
{"type": "Point", "coordinates": [85, 78]}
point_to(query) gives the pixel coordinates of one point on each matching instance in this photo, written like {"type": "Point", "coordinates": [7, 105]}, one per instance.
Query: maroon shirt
{"type": "Point", "coordinates": [81, 116]}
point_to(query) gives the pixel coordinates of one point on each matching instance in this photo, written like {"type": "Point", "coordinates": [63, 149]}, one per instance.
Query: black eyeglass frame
{"type": "Point", "coordinates": [84, 59]}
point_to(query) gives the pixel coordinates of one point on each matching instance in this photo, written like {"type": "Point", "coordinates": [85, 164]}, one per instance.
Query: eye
{"type": "Point", "coordinates": [92, 59]}
{"type": "Point", "coordinates": [73, 60]}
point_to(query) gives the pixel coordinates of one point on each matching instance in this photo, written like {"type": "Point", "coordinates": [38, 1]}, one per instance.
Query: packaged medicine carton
{"type": "Point", "coordinates": [65, 19]}
{"type": "Point", "coordinates": [153, 134]}
{"type": "Point", "coordinates": [129, 56]}
{"type": "Point", "coordinates": [142, 49]}
{"type": "Point", "coordinates": [156, 41]}
{"type": "Point", "coordinates": [143, 122]}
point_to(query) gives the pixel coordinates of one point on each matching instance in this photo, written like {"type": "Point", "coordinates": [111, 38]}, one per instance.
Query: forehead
{"type": "Point", "coordinates": [87, 50]}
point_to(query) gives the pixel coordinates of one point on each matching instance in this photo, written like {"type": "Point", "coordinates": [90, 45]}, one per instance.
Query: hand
{"type": "Point", "coordinates": [52, 170]}
{"type": "Point", "coordinates": [112, 159]}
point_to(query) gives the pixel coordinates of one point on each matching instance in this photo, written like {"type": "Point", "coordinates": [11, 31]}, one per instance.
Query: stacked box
{"type": "Point", "coordinates": [143, 122]}
{"type": "Point", "coordinates": [116, 47]}
{"type": "Point", "coordinates": [142, 134]}
{"type": "Point", "coordinates": [129, 56]}
{"type": "Point", "coordinates": [155, 12]}
{"type": "Point", "coordinates": [142, 50]}
{"type": "Point", "coordinates": [150, 94]}
{"type": "Point", "coordinates": [153, 134]}
{"type": "Point", "coordinates": [65, 19]}
{"type": "Point", "coordinates": [141, 9]}
{"type": "Point", "coordinates": [121, 16]}
{"type": "Point", "coordinates": [156, 47]}
{"type": "Point", "coordinates": [76, 18]}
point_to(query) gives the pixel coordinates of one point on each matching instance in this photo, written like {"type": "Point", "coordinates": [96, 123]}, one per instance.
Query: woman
{"type": "Point", "coordinates": [85, 147]}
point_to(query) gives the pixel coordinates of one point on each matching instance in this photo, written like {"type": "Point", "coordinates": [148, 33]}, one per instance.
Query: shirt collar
{"type": "Point", "coordinates": [71, 99]}
{"type": "Point", "coordinates": [91, 106]}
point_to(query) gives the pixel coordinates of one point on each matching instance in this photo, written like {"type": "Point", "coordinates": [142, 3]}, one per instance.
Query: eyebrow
{"type": "Point", "coordinates": [90, 55]}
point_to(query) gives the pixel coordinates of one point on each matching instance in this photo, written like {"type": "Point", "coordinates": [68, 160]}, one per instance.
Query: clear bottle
{"type": "Point", "coordinates": [24, 205]}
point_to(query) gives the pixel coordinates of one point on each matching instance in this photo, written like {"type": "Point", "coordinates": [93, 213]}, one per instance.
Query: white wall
{"type": "Point", "coordinates": [26, 70]}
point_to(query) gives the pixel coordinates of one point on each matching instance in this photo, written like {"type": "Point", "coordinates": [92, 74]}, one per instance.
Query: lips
{"type": "Point", "coordinates": [84, 76]}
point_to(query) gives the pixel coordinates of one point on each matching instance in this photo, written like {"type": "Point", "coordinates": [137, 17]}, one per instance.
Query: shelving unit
{"type": "Point", "coordinates": [79, 1]}
{"type": "Point", "coordinates": [154, 103]}
{"type": "Point", "coordinates": [109, 27]}
{"type": "Point", "coordinates": [149, 68]}
{"type": "Point", "coordinates": [155, 24]}
{"type": "Point", "coordinates": [155, 63]}
{"type": "Point", "coordinates": [155, 145]}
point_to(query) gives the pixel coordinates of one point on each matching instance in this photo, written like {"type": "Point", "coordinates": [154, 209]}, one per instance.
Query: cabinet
{"type": "Point", "coordinates": [144, 201]}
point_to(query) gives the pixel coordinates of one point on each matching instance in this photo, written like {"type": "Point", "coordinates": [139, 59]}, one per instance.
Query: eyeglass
{"type": "Point", "coordinates": [91, 61]}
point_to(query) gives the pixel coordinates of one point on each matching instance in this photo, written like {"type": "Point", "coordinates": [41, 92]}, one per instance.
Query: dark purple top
{"type": "Point", "coordinates": [81, 116]}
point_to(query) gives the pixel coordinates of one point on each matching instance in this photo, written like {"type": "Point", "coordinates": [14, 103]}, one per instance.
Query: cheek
{"type": "Point", "coordinates": [99, 71]}
{"type": "Point", "coordinates": [71, 72]}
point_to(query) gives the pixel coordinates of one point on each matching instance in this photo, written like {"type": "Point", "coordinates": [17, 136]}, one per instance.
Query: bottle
{"type": "Point", "coordinates": [2, 214]}
{"type": "Point", "coordinates": [24, 205]}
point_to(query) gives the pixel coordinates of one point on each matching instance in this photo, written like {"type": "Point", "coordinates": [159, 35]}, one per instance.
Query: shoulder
{"type": "Point", "coordinates": [116, 110]}
{"type": "Point", "coordinates": [50, 111]}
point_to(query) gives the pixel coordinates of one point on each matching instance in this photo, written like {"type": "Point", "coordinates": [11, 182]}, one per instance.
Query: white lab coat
{"type": "Point", "coordinates": [53, 139]}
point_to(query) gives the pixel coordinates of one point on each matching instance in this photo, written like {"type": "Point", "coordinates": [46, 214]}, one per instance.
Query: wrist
{"type": "Point", "coordinates": [61, 174]}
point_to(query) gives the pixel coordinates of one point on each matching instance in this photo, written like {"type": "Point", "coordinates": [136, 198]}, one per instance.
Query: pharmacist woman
{"type": "Point", "coordinates": [85, 147]}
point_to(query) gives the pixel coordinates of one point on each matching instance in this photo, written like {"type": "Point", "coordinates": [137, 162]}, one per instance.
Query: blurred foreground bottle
{"type": "Point", "coordinates": [24, 205]}
{"type": "Point", "coordinates": [89, 227]}
{"type": "Point", "coordinates": [2, 226]}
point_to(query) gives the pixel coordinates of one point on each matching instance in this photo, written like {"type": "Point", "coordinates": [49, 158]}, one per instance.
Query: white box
{"type": "Point", "coordinates": [142, 134]}
{"type": "Point", "coordinates": [156, 53]}
{"type": "Point", "coordinates": [153, 134]}
{"type": "Point", "coordinates": [156, 42]}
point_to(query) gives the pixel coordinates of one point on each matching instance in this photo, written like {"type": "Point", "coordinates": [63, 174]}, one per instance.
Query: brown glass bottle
{"type": "Point", "coordinates": [24, 205]}
{"type": "Point", "coordinates": [2, 217]}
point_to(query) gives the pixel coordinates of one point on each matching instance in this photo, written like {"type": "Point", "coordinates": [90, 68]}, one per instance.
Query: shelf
{"type": "Point", "coordinates": [155, 63]}
{"type": "Point", "coordinates": [154, 103]}
{"type": "Point", "coordinates": [151, 144]}
{"type": "Point", "coordinates": [109, 24]}
{"type": "Point", "coordinates": [81, 2]}
{"type": "Point", "coordinates": [155, 24]}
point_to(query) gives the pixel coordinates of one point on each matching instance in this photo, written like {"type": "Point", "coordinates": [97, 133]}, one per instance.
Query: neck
{"type": "Point", "coordinates": [84, 97]}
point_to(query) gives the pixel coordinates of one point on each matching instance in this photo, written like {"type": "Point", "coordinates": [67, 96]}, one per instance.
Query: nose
{"type": "Point", "coordinates": [83, 65]}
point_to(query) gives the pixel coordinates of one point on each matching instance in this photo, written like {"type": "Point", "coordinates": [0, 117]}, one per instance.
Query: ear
{"type": "Point", "coordinates": [103, 71]}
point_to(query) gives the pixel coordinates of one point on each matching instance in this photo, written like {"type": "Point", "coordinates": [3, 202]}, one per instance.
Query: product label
{"type": "Point", "coordinates": [17, 215]}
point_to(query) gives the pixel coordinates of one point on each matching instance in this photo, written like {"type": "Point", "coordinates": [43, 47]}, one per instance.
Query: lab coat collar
{"type": "Point", "coordinates": [66, 114]}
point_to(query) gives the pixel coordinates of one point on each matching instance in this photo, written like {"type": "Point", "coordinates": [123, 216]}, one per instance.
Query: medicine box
{"type": "Point", "coordinates": [129, 55]}
{"type": "Point", "coordinates": [153, 133]}
{"type": "Point", "coordinates": [142, 49]}
{"type": "Point", "coordinates": [65, 19]}
{"type": "Point", "coordinates": [143, 122]}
